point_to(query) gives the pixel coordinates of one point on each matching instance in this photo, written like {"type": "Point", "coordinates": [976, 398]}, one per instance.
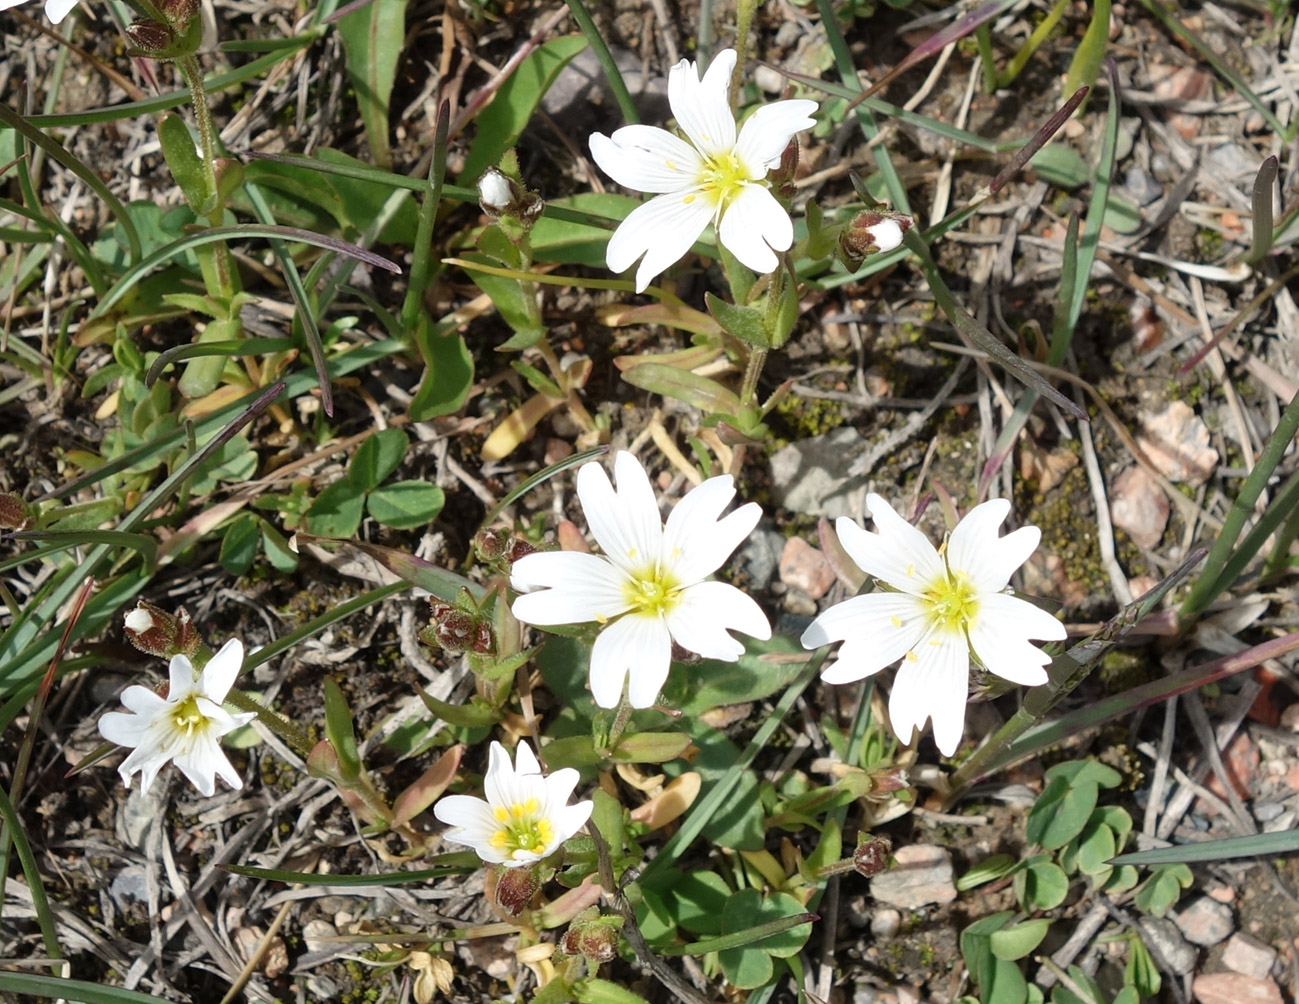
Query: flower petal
{"type": "Point", "coordinates": [219, 674]}
{"type": "Point", "coordinates": [706, 611]}
{"type": "Point", "coordinates": [625, 523]}
{"type": "Point", "coordinates": [767, 132]}
{"type": "Point", "coordinates": [647, 159]}
{"type": "Point", "coordinates": [989, 560]}
{"type": "Point", "coordinates": [123, 729]}
{"type": "Point", "coordinates": [471, 820]}
{"type": "Point", "coordinates": [145, 759]}
{"type": "Point", "coordinates": [201, 759]}
{"type": "Point", "coordinates": [570, 820]}
{"type": "Point", "coordinates": [505, 785]}
{"type": "Point", "coordinates": [143, 701]}
{"type": "Point", "coordinates": [935, 685]}
{"type": "Point", "coordinates": [572, 588]}
{"type": "Point", "coordinates": [1000, 633]}
{"type": "Point", "coordinates": [662, 230]}
{"type": "Point", "coordinates": [754, 226]}
{"type": "Point", "coordinates": [695, 542]}
{"type": "Point", "coordinates": [877, 630]}
{"type": "Point", "coordinates": [898, 554]}
{"type": "Point", "coordinates": [702, 107]}
{"type": "Point", "coordinates": [635, 645]}
{"type": "Point", "coordinates": [57, 10]}
{"type": "Point", "coordinates": [182, 679]}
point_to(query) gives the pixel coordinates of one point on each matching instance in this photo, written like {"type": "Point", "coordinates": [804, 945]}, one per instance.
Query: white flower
{"type": "Point", "coordinates": [526, 815]}
{"type": "Point", "coordinates": [55, 10]}
{"type": "Point", "coordinates": [649, 588]}
{"type": "Point", "coordinates": [714, 178]}
{"type": "Point", "coordinates": [948, 605]}
{"type": "Point", "coordinates": [494, 190]}
{"type": "Point", "coordinates": [185, 726]}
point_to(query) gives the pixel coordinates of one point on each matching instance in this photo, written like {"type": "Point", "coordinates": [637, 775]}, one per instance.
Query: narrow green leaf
{"type": "Point", "coordinates": [1260, 844]}
{"type": "Point", "coordinates": [748, 936]}
{"type": "Point", "coordinates": [25, 984]}
{"type": "Point", "coordinates": [186, 167]}
{"type": "Point", "coordinates": [455, 863]}
{"type": "Point", "coordinates": [340, 731]}
{"type": "Point", "coordinates": [701, 392]}
{"type": "Point", "coordinates": [373, 38]}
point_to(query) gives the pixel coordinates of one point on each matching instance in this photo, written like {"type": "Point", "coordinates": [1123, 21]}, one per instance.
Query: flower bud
{"type": "Point", "coordinates": [518, 548]}
{"type": "Point", "coordinates": [888, 780]}
{"type": "Point", "coordinates": [872, 855]}
{"type": "Point", "coordinates": [515, 887]}
{"type": "Point", "coordinates": [490, 544]}
{"type": "Point", "coordinates": [593, 937]}
{"type": "Point", "coordinates": [151, 37]}
{"type": "Point", "coordinates": [496, 192]}
{"type": "Point", "coordinates": [782, 175]}
{"type": "Point", "coordinates": [178, 13]}
{"type": "Point", "coordinates": [872, 232]}
{"type": "Point", "coordinates": [15, 514]}
{"type": "Point", "coordinates": [156, 632]}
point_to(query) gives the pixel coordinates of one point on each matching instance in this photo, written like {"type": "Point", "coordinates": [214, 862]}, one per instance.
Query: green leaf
{"type": "Point", "coordinates": [232, 461]}
{"type": "Point", "coordinates": [1121, 879]}
{"type": "Point", "coordinates": [1140, 970]}
{"type": "Point", "coordinates": [572, 242]}
{"type": "Point", "coordinates": [373, 38]}
{"type": "Point", "coordinates": [700, 392]}
{"type": "Point", "coordinates": [406, 504]}
{"type": "Point", "coordinates": [1267, 844]}
{"type": "Point", "coordinates": [764, 668]}
{"type": "Point", "coordinates": [29, 985]}
{"type": "Point", "coordinates": [700, 898]}
{"type": "Point", "coordinates": [339, 731]}
{"type": "Point", "coordinates": [1162, 889]}
{"type": "Point", "coordinates": [277, 549]}
{"type": "Point", "coordinates": [1041, 884]}
{"type": "Point", "coordinates": [748, 324]}
{"type": "Point", "coordinates": [376, 458]}
{"type": "Point", "coordinates": [185, 164]}
{"type": "Point", "coordinates": [448, 375]}
{"type": "Point", "coordinates": [239, 545]}
{"type": "Point", "coordinates": [751, 966]}
{"type": "Point", "coordinates": [501, 122]}
{"type": "Point", "coordinates": [650, 747]}
{"type": "Point", "coordinates": [1063, 995]}
{"type": "Point", "coordinates": [1061, 165]}
{"type": "Point", "coordinates": [988, 870]}
{"type": "Point", "coordinates": [739, 824]}
{"type": "Point", "coordinates": [468, 716]}
{"type": "Point", "coordinates": [1015, 942]}
{"type": "Point", "coordinates": [1096, 846]}
{"type": "Point", "coordinates": [337, 510]}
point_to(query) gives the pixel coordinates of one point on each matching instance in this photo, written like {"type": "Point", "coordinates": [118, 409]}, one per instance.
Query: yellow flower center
{"type": "Point", "coordinates": [652, 592]}
{"type": "Point", "coordinates": [521, 829]}
{"type": "Point", "coordinates": [187, 717]}
{"type": "Point", "coordinates": [951, 603]}
{"type": "Point", "coordinates": [722, 179]}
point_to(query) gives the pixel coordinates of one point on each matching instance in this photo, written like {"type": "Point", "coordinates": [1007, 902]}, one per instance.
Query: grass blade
{"type": "Point", "coordinates": [1268, 844]}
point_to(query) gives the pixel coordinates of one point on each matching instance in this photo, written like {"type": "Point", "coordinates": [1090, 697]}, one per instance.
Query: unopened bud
{"type": "Point", "coordinates": [872, 232]}
{"type": "Point", "coordinates": [782, 175]}
{"type": "Point", "coordinates": [154, 631]}
{"type": "Point", "coordinates": [515, 888]}
{"type": "Point", "coordinates": [496, 192]}
{"type": "Point", "coordinates": [596, 939]}
{"type": "Point", "coordinates": [15, 514]}
{"type": "Point", "coordinates": [872, 855]}
{"type": "Point", "coordinates": [150, 37]}
{"type": "Point", "coordinates": [484, 640]}
{"type": "Point", "coordinates": [490, 544]}
{"type": "Point", "coordinates": [517, 549]}
{"type": "Point", "coordinates": [888, 780]}
{"type": "Point", "coordinates": [178, 13]}
{"type": "Point", "coordinates": [455, 631]}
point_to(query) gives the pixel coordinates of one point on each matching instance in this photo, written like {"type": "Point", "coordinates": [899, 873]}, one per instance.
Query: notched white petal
{"type": "Point", "coordinates": [754, 227]}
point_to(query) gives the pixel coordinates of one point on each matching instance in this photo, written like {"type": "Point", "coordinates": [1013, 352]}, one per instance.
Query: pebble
{"type": "Point", "coordinates": [922, 875]}
{"type": "Point", "coordinates": [797, 602]}
{"type": "Point", "coordinates": [1166, 941]}
{"type": "Point", "coordinates": [758, 558]}
{"type": "Point", "coordinates": [583, 81]}
{"type": "Point", "coordinates": [1233, 988]}
{"type": "Point", "coordinates": [808, 476]}
{"type": "Point", "coordinates": [1241, 758]}
{"type": "Point", "coordinates": [1290, 718]}
{"type": "Point", "coordinates": [318, 935]}
{"type": "Point", "coordinates": [1248, 956]}
{"type": "Point", "coordinates": [886, 923]}
{"type": "Point", "coordinates": [1177, 443]}
{"type": "Point", "coordinates": [804, 567]}
{"type": "Point", "coordinates": [1142, 187]}
{"type": "Point", "coordinates": [1205, 921]}
{"type": "Point", "coordinates": [129, 883]}
{"type": "Point", "coordinates": [1265, 812]}
{"type": "Point", "coordinates": [1139, 507]}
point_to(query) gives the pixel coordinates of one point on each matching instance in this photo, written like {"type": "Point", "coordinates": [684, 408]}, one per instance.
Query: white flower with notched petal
{"type": "Point", "coordinates": [184, 726]}
{"type": "Point", "coordinates": [526, 815]}
{"type": "Point", "coordinates": [55, 10]}
{"type": "Point", "coordinates": [715, 177]}
{"type": "Point", "coordinates": [946, 605]}
{"type": "Point", "coordinates": [649, 588]}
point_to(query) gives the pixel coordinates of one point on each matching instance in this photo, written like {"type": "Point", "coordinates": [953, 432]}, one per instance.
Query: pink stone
{"type": "Point", "coordinates": [1233, 988]}
{"type": "Point", "coordinates": [805, 568]}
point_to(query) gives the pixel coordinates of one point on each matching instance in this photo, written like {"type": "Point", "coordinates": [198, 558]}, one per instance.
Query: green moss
{"type": "Point", "coordinates": [807, 417]}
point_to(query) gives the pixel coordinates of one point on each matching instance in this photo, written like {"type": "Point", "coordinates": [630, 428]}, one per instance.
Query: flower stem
{"type": "Point", "coordinates": [620, 719]}
{"type": "Point", "coordinates": [277, 723]}
{"type": "Point", "coordinates": [189, 69]}
{"type": "Point", "coordinates": [744, 11]}
{"type": "Point", "coordinates": [752, 371]}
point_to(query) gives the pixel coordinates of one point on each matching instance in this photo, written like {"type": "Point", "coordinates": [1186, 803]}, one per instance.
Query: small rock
{"type": "Point", "coordinates": [809, 475]}
{"type": "Point", "coordinates": [1248, 956]}
{"type": "Point", "coordinates": [1205, 921]}
{"type": "Point", "coordinates": [1233, 988]}
{"type": "Point", "coordinates": [768, 79]}
{"type": "Point", "coordinates": [1223, 894]}
{"type": "Point", "coordinates": [758, 558]}
{"type": "Point", "coordinates": [1265, 812]}
{"type": "Point", "coordinates": [583, 82]}
{"type": "Point", "coordinates": [130, 883]}
{"type": "Point", "coordinates": [1142, 187]}
{"type": "Point", "coordinates": [1241, 760]}
{"type": "Point", "coordinates": [922, 875]}
{"type": "Point", "coordinates": [886, 923]}
{"type": "Point", "coordinates": [317, 935]}
{"type": "Point", "coordinates": [1177, 443]}
{"type": "Point", "coordinates": [797, 602]}
{"type": "Point", "coordinates": [804, 567]}
{"type": "Point", "coordinates": [1139, 506]}
{"type": "Point", "coordinates": [1165, 941]}
{"type": "Point", "coordinates": [1290, 718]}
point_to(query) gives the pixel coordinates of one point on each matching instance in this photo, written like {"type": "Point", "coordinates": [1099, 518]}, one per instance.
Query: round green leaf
{"type": "Point", "coordinates": [376, 458]}
{"type": "Point", "coordinates": [406, 504]}
{"type": "Point", "coordinates": [1018, 940]}
{"type": "Point", "coordinates": [239, 545]}
{"type": "Point", "coordinates": [337, 510]}
{"type": "Point", "coordinates": [1041, 886]}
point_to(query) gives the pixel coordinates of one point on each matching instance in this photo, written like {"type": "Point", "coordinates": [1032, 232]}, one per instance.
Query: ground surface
{"type": "Point", "coordinates": [135, 881]}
